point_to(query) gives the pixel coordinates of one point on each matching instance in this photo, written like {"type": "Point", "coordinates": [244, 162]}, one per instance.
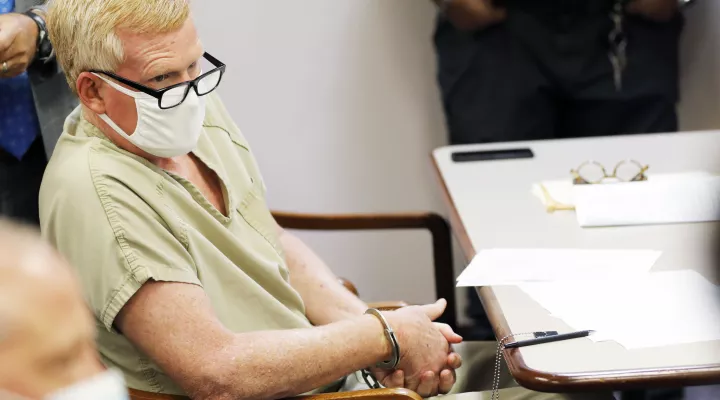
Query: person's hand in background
{"type": "Point", "coordinates": [655, 10]}
{"type": "Point", "coordinates": [473, 15]}
{"type": "Point", "coordinates": [18, 43]}
{"type": "Point", "coordinates": [427, 362]}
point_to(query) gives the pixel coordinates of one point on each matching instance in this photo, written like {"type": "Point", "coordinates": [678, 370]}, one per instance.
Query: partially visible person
{"type": "Point", "coordinates": [155, 197]}
{"type": "Point", "coordinates": [47, 332]}
{"type": "Point", "coordinates": [512, 70]}
{"type": "Point", "coordinates": [34, 102]}
{"type": "Point", "coordinates": [526, 69]}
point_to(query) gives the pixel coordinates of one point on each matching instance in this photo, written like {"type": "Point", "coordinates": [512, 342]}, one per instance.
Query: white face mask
{"type": "Point", "coordinates": [108, 385]}
{"type": "Point", "coordinates": [162, 133]}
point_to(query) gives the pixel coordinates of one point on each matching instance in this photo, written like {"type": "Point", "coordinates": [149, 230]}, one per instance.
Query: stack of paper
{"type": "Point", "coordinates": [654, 310]}
{"type": "Point", "coordinates": [561, 194]}
{"type": "Point", "coordinates": [672, 199]}
{"type": "Point", "coordinates": [514, 266]}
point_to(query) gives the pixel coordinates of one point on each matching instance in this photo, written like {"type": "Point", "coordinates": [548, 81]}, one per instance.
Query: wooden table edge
{"type": "Point", "coordinates": [554, 383]}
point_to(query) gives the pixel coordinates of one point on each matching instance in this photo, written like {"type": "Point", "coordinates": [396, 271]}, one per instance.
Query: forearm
{"type": "Point", "coordinates": [277, 364]}
{"type": "Point", "coordinates": [208, 361]}
{"type": "Point", "coordinates": [326, 300]}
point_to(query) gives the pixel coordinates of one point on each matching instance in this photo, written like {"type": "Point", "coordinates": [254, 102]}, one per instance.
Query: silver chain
{"type": "Point", "coordinates": [618, 43]}
{"type": "Point", "coordinates": [498, 363]}
{"type": "Point", "coordinates": [370, 379]}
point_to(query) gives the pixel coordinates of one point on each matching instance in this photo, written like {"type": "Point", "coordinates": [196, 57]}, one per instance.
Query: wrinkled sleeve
{"type": "Point", "coordinates": [114, 240]}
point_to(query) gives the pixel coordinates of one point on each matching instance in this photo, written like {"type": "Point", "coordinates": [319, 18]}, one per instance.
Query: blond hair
{"type": "Point", "coordinates": [84, 32]}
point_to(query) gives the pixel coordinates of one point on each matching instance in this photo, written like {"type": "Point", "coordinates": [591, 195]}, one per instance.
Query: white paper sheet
{"type": "Point", "coordinates": [514, 266]}
{"type": "Point", "coordinates": [653, 310]}
{"type": "Point", "coordinates": [660, 200]}
{"type": "Point", "coordinates": [561, 190]}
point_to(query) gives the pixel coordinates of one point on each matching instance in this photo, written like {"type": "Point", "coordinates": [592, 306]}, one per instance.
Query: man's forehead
{"type": "Point", "coordinates": [33, 278]}
{"type": "Point", "coordinates": [145, 48]}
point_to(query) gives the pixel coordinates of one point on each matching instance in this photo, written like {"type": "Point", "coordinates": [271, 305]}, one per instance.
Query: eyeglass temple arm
{"type": "Point", "coordinates": [213, 60]}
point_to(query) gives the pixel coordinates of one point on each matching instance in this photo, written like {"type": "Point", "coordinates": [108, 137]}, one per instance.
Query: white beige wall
{"type": "Point", "coordinates": [338, 99]}
{"type": "Point", "coordinates": [700, 106]}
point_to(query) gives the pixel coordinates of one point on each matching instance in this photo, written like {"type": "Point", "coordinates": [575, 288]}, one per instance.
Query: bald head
{"type": "Point", "coordinates": [31, 276]}
{"type": "Point", "coordinates": [46, 331]}
{"type": "Point", "coordinates": [25, 259]}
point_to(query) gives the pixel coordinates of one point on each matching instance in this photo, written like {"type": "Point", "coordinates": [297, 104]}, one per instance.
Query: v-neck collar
{"type": "Point", "coordinates": [205, 152]}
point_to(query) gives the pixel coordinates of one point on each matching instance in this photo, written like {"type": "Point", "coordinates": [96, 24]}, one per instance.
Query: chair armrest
{"type": "Point", "coordinates": [349, 286]}
{"type": "Point", "coordinates": [140, 395]}
{"type": "Point", "coordinates": [434, 223]}
{"type": "Point", "coordinates": [388, 305]}
{"type": "Point", "coordinates": [380, 305]}
{"type": "Point", "coordinates": [340, 222]}
{"type": "Point", "coordinates": [373, 394]}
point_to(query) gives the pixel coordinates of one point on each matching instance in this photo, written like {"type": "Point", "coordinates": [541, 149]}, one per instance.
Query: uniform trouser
{"type": "Point", "coordinates": [475, 379]}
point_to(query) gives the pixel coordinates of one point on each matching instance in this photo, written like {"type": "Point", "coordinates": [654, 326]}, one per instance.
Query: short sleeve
{"type": "Point", "coordinates": [112, 237]}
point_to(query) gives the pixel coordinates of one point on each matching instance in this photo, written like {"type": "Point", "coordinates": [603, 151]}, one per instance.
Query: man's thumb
{"type": "Point", "coordinates": [435, 310]}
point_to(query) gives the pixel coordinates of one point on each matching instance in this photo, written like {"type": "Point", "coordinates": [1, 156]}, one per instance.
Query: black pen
{"type": "Point", "coordinates": [548, 339]}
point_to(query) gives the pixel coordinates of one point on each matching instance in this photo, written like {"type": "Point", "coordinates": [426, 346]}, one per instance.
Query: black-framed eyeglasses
{"type": "Point", "coordinates": [173, 96]}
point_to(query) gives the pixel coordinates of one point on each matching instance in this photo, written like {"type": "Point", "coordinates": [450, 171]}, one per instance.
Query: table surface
{"type": "Point", "coordinates": [491, 206]}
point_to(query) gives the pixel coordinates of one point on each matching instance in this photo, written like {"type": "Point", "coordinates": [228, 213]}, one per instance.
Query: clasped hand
{"type": "Point", "coordinates": [427, 360]}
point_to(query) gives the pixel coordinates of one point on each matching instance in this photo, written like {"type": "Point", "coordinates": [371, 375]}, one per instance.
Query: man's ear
{"type": "Point", "coordinates": [88, 89]}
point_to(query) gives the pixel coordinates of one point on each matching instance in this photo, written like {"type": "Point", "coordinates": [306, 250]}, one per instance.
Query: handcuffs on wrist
{"type": "Point", "coordinates": [387, 364]}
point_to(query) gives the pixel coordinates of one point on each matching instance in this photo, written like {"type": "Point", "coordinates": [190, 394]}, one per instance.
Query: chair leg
{"type": "Point", "coordinates": [443, 266]}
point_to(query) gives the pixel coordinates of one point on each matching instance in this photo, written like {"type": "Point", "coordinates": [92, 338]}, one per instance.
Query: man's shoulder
{"type": "Point", "coordinates": [81, 168]}
{"type": "Point", "coordinates": [90, 192]}
{"type": "Point", "coordinates": [218, 120]}
{"type": "Point", "coordinates": [75, 158]}
{"type": "Point", "coordinates": [68, 169]}
{"type": "Point", "coordinates": [227, 137]}
{"type": "Point", "coordinates": [69, 192]}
